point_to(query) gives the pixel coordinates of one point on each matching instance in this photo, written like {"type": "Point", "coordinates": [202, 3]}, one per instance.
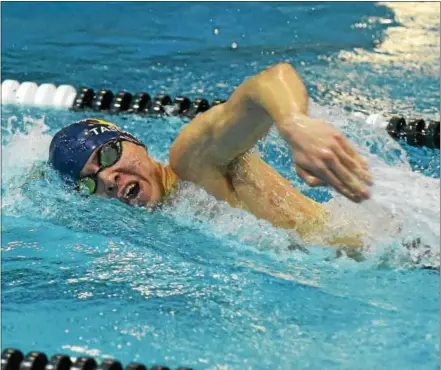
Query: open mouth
{"type": "Point", "coordinates": [131, 191]}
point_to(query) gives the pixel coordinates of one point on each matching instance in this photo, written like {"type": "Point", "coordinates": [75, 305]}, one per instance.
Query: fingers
{"type": "Point", "coordinates": [359, 169]}
{"type": "Point", "coordinates": [352, 154]}
{"type": "Point", "coordinates": [327, 177]}
{"type": "Point", "coordinates": [347, 181]}
{"type": "Point", "coordinates": [328, 169]}
{"type": "Point", "coordinates": [308, 177]}
{"type": "Point", "coordinates": [326, 157]}
{"type": "Point", "coordinates": [338, 185]}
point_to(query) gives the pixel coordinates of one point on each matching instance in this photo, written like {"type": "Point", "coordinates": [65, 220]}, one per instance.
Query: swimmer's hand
{"type": "Point", "coordinates": [323, 156]}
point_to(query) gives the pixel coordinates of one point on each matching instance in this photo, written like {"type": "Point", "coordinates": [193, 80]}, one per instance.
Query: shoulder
{"type": "Point", "coordinates": [190, 147]}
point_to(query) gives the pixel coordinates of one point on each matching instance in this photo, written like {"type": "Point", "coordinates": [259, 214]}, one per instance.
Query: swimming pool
{"type": "Point", "coordinates": [200, 284]}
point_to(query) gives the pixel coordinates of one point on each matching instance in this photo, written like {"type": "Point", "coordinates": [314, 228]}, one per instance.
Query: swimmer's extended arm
{"type": "Point", "coordinates": [275, 96]}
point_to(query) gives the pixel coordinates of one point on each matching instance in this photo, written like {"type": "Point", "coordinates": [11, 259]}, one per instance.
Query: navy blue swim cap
{"type": "Point", "coordinates": [71, 147]}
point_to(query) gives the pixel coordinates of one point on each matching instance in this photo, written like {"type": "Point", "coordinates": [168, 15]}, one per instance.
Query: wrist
{"type": "Point", "coordinates": [289, 126]}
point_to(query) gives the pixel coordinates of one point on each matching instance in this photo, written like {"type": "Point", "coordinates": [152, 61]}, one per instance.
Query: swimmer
{"type": "Point", "coordinates": [214, 151]}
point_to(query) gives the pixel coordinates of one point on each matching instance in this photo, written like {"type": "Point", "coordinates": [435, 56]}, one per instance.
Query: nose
{"type": "Point", "coordinates": [110, 179]}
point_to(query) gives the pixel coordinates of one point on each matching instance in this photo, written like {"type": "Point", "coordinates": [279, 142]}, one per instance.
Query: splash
{"type": "Point", "coordinates": [24, 146]}
{"type": "Point", "coordinates": [403, 205]}
{"type": "Point", "coordinates": [400, 220]}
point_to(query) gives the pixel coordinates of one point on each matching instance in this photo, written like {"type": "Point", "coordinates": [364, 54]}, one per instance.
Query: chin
{"type": "Point", "coordinates": [151, 205]}
{"type": "Point", "coordinates": [149, 196]}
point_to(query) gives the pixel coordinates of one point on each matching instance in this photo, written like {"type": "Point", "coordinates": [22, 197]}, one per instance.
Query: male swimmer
{"type": "Point", "coordinates": [214, 152]}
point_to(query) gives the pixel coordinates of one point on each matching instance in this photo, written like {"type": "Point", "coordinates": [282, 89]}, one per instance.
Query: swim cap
{"type": "Point", "coordinates": [71, 147]}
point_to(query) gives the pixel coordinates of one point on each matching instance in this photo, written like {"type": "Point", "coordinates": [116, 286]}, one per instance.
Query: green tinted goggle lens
{"type": "Point", "coordinates": [87, 184]}
{"type": "Point", "coordinates": [108, 155]}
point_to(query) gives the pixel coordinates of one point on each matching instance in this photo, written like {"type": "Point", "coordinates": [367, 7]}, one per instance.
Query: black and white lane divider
{"type": "Point", "coordinates": [13, 359]}
{"type": "Point", "coordinates": [416, 132]}
{"type": "Point", "coordinates": [68, 97]}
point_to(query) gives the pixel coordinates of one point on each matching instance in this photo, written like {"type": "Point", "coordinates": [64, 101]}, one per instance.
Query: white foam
{"type": "Point", "coordinates": [23, 149]}
{"type": "Point", "coordinates": [404, 203]}
{"type": "Point", "coordinates": [400, 197]}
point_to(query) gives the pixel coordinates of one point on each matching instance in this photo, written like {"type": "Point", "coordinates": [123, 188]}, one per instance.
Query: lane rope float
{"type": "Point", "coordinates": [83, 99]}
{"type": "Point", "coordinates": [13, 359]}
{"type": "Point", "coordinates": [415, 132]}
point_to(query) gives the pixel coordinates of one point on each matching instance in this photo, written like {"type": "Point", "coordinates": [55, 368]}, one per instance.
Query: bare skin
{"type": "Point", "coordinates": [135, 165]}
{"type": "Point", "coordinates": [210, 152]}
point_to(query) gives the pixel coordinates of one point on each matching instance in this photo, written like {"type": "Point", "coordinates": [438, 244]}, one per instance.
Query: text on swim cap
{"type": "Point", "coordinates": [101, 129]}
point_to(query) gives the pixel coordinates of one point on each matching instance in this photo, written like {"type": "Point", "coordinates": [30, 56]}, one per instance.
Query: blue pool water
{"type": "Point", "coordinates": [200, 284]}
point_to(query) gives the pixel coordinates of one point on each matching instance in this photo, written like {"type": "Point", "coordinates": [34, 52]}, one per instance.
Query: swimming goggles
{"type": "Point", "coordinates": [108, 154]}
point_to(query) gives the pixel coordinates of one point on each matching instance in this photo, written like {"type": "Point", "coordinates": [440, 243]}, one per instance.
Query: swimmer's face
{"type": "Point", "coordinates": [134, 179]}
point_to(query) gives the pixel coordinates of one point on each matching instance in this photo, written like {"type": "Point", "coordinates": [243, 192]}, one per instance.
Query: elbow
{"type": "Point", "coordinates": [281, 71]}
{"type": "Point", "coordinates": [254, 87]}
{"type": "Point", "coordinates": [287, 75]}
{"type": "Point", "coordinates": [283, 68]}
